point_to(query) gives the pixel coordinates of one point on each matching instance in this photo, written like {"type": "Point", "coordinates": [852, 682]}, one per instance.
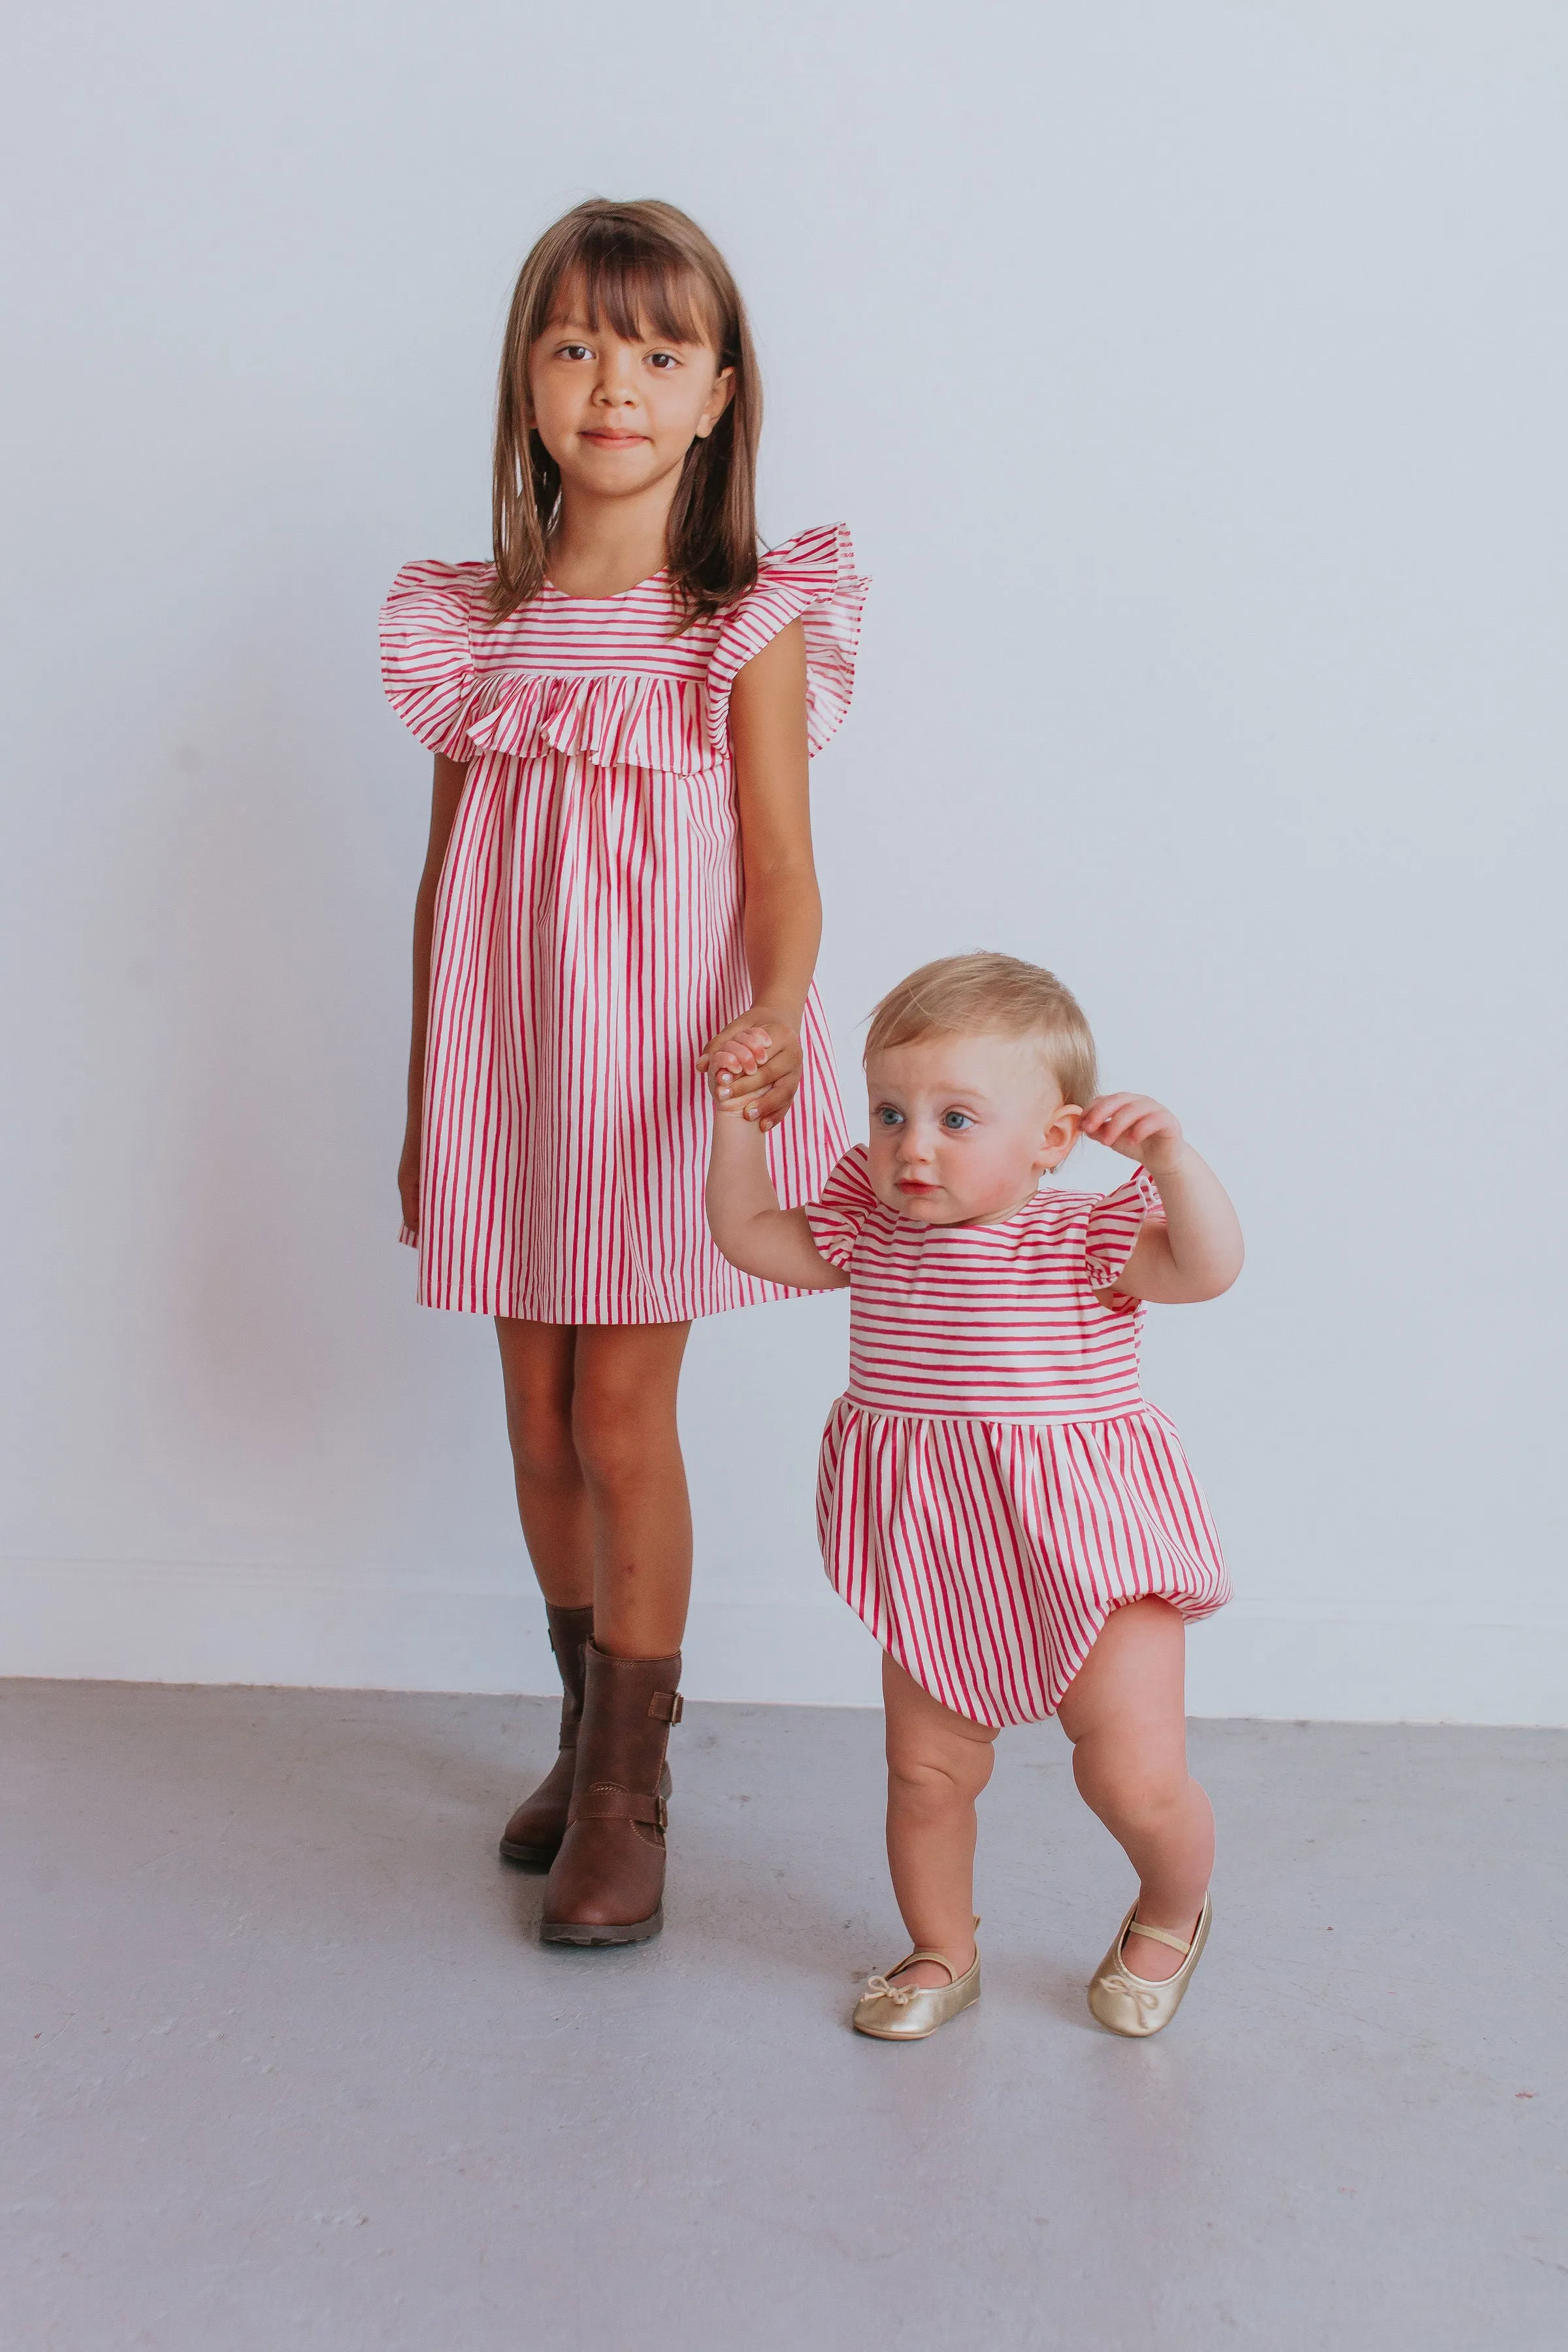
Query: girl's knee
{"type": "Point", "coordinates": [614, 1434]}
{"type": "Point", "coordinates": [539, 1431]}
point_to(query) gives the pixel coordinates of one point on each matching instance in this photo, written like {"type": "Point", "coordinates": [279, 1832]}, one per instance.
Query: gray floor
{"type": "Point", "coordinates": [289, 2068]}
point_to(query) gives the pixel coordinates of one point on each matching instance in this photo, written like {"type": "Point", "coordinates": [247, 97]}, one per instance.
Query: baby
{"type": "Point", "coordinates": [1017, 1527]}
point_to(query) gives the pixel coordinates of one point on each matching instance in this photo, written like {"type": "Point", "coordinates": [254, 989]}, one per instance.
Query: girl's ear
{"type": "Point", "coordinates": [1060, 1135]}
{"type": "Point", "coordinates": [717, 401]}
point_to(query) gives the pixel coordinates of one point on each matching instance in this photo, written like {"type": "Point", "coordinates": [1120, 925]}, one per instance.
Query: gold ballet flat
{"type": "Point", "coordinates": [1143, 2005]}
{"type": "Point", "coordinates": [891, 2013]}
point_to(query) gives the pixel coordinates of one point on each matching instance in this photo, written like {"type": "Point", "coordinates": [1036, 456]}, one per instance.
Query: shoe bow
{"type": "Point", "coordinates": [878, 1987]}
{"type": "Point", "coordinates": [1145, 1999]}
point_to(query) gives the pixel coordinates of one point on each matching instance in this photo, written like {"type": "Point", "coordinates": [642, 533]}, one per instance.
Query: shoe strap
{"type": "Point", "coordinates": [603, 1803]}
{"type": "Point", "coordinates": [1183, 1944]}
{"type": "Point", "coordinates": [907, 1962]}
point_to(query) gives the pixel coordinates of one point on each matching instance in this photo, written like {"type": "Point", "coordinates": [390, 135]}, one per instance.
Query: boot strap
{"type": "Point", "coordinates": [606, 1804]}
{"type": "Point", "coordinates": [666, 1706]}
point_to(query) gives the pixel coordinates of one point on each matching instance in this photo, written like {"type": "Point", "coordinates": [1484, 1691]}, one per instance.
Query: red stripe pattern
{"type": "Point", "coordinates": [588, 932]}
{"type": "Point", "coordinates": [992, 1483]}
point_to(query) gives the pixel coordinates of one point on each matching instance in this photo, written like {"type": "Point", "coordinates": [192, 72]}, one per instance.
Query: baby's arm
{"type": "Point", "coordinates": [1194, 1251]}
{"type": "Point", "coordinates": [743, 1213]}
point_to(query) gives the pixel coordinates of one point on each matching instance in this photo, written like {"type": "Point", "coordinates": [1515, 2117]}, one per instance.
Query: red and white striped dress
{"type": "Point", "coordinates": [588, 934]}
{"type": "Point", "coordinates": [992, 1483]}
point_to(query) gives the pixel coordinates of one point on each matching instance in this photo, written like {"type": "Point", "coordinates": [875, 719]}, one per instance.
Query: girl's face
{"type": "Point", "coordinates": [962, 1128]}
{"type": "Point", "coordinates": [619, 416]}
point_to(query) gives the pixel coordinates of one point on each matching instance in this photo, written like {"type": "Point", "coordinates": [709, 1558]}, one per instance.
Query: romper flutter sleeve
{"type": "Point", "coordinates": [1114, 1225]}
{"type": "Point", "coordinates": [838, 1219]}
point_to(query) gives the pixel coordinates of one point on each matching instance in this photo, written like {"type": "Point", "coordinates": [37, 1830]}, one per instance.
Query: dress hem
{"type": "Point", "coordinates": [765, 1295]}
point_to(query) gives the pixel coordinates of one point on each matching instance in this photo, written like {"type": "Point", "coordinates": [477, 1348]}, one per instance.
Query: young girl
{"type": "Point", "coordinates": [1016, 1525]}
{"type": "Point", "coordinates": [619, 878]}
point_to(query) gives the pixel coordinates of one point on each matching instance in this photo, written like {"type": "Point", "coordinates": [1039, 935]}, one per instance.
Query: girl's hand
{"type": "Point", "coordinates": [408, 1177]}
{"type": "Point", "coordinates": [1140, 1128]}
{"type": "Point", "coordinates": [754, 1066]}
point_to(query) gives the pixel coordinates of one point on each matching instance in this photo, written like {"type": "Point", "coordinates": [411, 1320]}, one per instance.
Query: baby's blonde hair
{"type": "Point", "coordinates": [987, 995]}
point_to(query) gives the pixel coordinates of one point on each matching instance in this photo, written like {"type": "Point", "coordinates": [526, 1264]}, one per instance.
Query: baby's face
{"type": "Point", "coordinates": [963, 1128]}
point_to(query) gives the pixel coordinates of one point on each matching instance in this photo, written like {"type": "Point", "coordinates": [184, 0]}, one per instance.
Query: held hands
{"type": "Point", "coordinates": [1140, 1128]}
{"type": "Point", "coordinates": [753, 1066]}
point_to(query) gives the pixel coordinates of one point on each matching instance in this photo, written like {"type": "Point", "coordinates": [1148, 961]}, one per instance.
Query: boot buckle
{"type": "Point", "coordinates": [661, 1814]}
{"type": "Point", "coordinates": [666, 1706]}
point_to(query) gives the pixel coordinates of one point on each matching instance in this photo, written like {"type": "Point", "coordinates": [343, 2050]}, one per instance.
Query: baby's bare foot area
{"type": "Point", "coordinates": [924, 1973]}
{"type": "Point", "coordinates": [1153, 1962]}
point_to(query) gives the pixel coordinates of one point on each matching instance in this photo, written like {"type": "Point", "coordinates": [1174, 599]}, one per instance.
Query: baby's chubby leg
{"type": "Point", "coordinates": [938, 1762]}
{"type": "Point", "coordinates": [1125, 1714]}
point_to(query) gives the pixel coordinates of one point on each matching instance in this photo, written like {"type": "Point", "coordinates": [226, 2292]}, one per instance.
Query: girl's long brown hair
{"type": "Point", "coordinates": [645, 268]}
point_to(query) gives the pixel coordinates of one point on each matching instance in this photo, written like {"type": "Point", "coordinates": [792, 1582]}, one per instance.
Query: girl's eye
{"type": "Point", "coordinates": [573, 351]}
{"type": "Point", "coordinates": [955, 1121]}
{"type": "Point", "coordinates": [664, 361]}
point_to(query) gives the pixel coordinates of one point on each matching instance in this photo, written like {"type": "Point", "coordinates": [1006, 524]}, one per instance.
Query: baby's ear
{"type": "Point", "coordinates": [1062, 1132]}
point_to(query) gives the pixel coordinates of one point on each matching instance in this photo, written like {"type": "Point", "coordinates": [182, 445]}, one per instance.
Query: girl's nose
{"type": "Point", "coordinates": [615, 389]}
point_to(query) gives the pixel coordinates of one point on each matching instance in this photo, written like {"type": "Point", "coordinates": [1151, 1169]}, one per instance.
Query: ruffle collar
{"type": "Point", "coordinates": [447, 674]}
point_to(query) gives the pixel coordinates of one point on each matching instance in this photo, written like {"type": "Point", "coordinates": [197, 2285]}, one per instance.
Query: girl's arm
{"type": "Point", "coordinates": [782, 907]}
{"type": "Point", "coordinates": [744, 1213]}
{"type": "Point", "coordinates": [445, 794]}
{"type": "Point", "coordinates": [1194, 1252]}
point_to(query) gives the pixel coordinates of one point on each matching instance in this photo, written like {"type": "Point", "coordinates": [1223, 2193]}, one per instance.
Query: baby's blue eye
{"type": "Point", "coordinates": [888, 1118]}
{"type": "Point", "coordinates": [955, 1121]}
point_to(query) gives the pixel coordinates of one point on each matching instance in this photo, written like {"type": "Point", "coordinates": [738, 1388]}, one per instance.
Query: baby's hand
{"type": "Point", "coordinates": [1139, 1128]}
{"type": "Point", "coordinates": [736, 1055]}
{"type": "Point", "coordinates": [759, 1056]}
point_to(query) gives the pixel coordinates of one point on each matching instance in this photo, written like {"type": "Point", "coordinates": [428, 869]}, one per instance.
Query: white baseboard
{"type": "Point", "coordinates": [144, 1622]}
{"type": "Point", "coordinates": [1344, 1663]}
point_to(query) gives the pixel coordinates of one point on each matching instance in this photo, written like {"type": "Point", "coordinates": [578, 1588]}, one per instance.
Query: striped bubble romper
{"type": "Point", "coordinates": [992, 1483]}
{"type": "Point", "coordinates": [588, 932]}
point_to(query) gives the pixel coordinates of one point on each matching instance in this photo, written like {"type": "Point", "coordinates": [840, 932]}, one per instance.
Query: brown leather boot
{"type": "Point", "coordinates": [535, 1830]}
{"type": "Point", "coordinates": [606, 1884]}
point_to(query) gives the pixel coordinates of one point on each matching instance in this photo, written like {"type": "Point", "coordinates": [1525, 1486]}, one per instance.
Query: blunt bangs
{"type": "Point", "coordinates": [639, 295]}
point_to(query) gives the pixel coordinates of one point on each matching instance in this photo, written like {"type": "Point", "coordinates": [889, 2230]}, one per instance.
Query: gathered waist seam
{"type": "Point", "coordinates": [1012, 1420]}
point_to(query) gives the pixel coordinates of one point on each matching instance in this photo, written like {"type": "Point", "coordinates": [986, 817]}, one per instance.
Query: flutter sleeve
{"type": "Point", "coordinates": [1114, 1225]}
{"type": "Point", "coordinates": [427, 652]}
{"type": "Point", "coordinates": [838, 1220]}
{"type": "Point", "coordinates": [811, 579]}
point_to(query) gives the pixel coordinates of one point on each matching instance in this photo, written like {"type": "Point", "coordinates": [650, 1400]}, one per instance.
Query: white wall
{"type": "Point", "coordinates": [1194, 380]}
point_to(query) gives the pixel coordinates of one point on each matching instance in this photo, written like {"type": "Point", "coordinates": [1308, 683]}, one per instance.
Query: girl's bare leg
{"type": "Point", "coordinates": [537, 1367]}
{"type": "Point", "coordinates": [601, 1486]}
{"type": "Point", "coordinates": [629, 1449]}
{"type": "Point", "coordinates": [938, 1762]}
{"type": "Point", "coordinates": [1125, 1714]}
